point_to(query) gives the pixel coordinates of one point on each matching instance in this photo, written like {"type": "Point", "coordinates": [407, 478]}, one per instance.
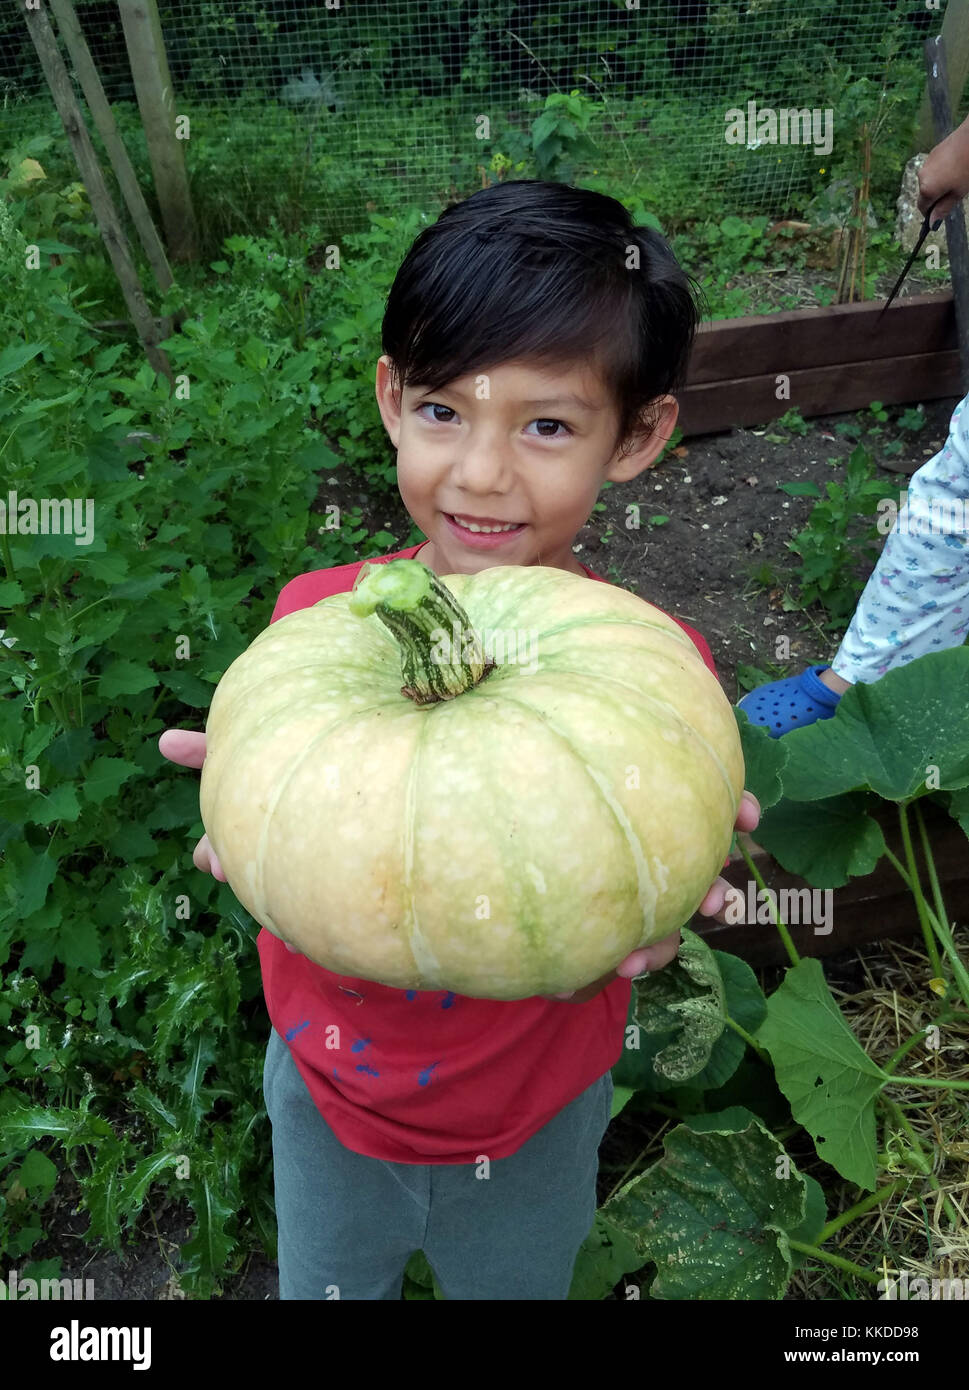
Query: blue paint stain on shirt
{"type": "Point", "coordinates": [367, 1068]}
{"type": "Point", "coordinates": [291, 1032]}
{"type": "Point", "coordinates": [425, 1076]}
{"type": "Point", "coordinates": [360, 1044]}
{"type": "Point", "coordinates": [448, 999]}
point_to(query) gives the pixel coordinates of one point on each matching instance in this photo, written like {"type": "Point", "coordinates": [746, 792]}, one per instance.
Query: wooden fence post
{"type": "Point", "coordinates": [955, 37]}
{"type": "Point", "coordinates": [156, 102]}
{"type": "Point", "coordinates": [76, 44]}
{"type": "Point", "coordinates": [109, 224]}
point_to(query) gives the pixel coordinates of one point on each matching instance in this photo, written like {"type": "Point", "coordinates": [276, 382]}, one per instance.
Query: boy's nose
{"type": "Point", "coordinates": [481, 462]}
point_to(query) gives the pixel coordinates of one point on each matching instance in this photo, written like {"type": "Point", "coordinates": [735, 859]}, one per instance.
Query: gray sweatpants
{"type": "Point", "coordinates": [348, 1223]}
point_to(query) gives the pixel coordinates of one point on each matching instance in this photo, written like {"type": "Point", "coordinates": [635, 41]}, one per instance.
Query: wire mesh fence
{"type": "Point", "coordinates": [337, 108]}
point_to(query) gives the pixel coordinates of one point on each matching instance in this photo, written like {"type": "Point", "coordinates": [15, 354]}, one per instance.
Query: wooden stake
{"type": "Point", "coordinates": [955, 36]}
{"type": "Point", "coordinates": [76, 44]}
{"type": "Point", "coordinates": [153, 88]}
{"type": "Point", "coordinates": [109, 225]}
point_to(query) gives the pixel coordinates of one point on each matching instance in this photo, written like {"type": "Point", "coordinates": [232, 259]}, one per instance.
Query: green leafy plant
{"type": "Point", "coordinates": [132, 1028]}
{"type": "Point", "coordinates": [836, 553]}
{"type": "Point", "coordinates": [794, 422]}
{"type": "Point", "coordinates": [726, 1212]}
{"type": "Point", "coordinates": [560, 135]}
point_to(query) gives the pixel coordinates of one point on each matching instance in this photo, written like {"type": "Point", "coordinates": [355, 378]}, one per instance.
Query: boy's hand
{"type": "Point", "coordinates": [188, 750]}
{"type": "Point", "coordinates": [655, 957]}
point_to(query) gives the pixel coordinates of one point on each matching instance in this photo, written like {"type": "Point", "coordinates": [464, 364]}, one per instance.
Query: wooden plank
{"type": "Point", "coordinates": [156, 102]}
{"type": "Point", "coordinates": [112, 232]}
{"type": "Point", "coordinates": [87, 73]}
{"type": "Point", "coordinates": [831, 390]}
{"type": "Point", "coordinates": [865, 909]}
{"type": "Point", "coordinates": [772, 343]}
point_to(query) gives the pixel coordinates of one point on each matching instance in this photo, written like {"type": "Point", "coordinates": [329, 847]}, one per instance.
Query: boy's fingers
{"type": "Point", "coordinates": [182, 746]}
{"type": "Point", "coordinates": [748, 812]}
{"type": "Point", "coordinates": [205, 858]}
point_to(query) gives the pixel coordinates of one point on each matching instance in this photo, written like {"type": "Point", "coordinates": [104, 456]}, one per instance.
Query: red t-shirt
{"type": "Point", "coordinates": [428, 1076]}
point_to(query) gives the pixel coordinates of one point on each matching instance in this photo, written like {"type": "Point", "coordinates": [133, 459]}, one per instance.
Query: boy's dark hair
{"type": "Point", "coordinates": [543, 272]}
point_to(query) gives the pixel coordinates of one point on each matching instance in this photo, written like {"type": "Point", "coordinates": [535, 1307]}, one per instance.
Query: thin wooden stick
{"type": "Point", "coordinates": [76, 44]}
{"type": "Point", "coordinates": [109, 225]}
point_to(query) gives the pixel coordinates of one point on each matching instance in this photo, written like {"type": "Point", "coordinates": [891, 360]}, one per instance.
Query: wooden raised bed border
{"type": "Point", "coordinates": [865, 909]}
{"type": "Point", "coordinates": [835, 359]}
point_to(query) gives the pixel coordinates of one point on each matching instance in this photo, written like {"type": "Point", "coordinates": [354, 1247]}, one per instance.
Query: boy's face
{"type": "Point", "coordinates": [507, 446]}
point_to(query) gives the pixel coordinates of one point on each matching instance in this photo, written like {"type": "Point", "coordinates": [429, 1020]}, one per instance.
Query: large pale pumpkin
{"type": "Point", "coordinates": [553, 785]}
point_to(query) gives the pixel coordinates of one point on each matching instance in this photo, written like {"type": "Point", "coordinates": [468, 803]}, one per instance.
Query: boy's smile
{"type": "Point", "coordinates": [504, 467]}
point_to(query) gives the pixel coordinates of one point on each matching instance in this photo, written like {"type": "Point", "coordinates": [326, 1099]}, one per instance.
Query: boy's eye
{"type": "Point", "coordinates": [556, 424]}
{"type": "Point", "coordinates": [433, 405]}
{"type": "Point", "coordinates": [543, 433]}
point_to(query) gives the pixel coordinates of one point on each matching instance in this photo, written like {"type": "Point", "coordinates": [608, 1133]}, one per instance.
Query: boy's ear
{"type": "Point", "coordinates": [388, 398]}
{"type": "Point", "coordinates": [648, 446]}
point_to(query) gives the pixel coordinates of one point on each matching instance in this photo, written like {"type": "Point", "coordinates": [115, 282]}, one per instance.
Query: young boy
{"type": "Point", "coordinates": [531, 339]}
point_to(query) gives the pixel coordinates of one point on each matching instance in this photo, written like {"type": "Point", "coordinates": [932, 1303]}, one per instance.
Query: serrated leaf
{"type": "Point", "coordinates": [189, 689]}
{"type": "Point", "coordinates": [132, 841]}
{"type": "Point", "coordinates": [826, 842]}
{"type": "Point", "coordinates": [689, 999]}
{"type": "Point", "coordinates": [104, 1194]}
{"type": "Point", "coordinates": [79, 943]}
{"type": "Point", "coordinates": [105, 776]}
{"type": "Point", "coordinates": [202, 1052]}
{"type": "Point", "coordinates": [30, 876]}
{"type": "Point", "coordinates": [59, 804]}
{"type": "Point", "coordinates": [70, 749]}
{"type": "Point", "coordinates": [16, 355]}
{"type": "Point", "coordinates": [37, 1171]}
{"type": "Point", "coordinates": [206, 1252]}
{"type": "Point", "coordinates": [958, 807]}
{"type": "Point", "coordinates": [177, 804]}
{"type": "Point", "coordinates": [815, 1218]}
{"type": "Point", "coordinates": [11, 593]}
{"type": "Point", "coordinates": [690, 989]}
{"type": "Point", "coordinates": [604, 1257]}
{"type": "Point", "coordinates": [713, 1214]}
{"type": "Point", "coordinates": [829, 1079]}
{"type": "Point", "coordinates": [126, 678]}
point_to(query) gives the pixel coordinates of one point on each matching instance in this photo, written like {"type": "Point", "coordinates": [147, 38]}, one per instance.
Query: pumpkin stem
{"type": "Point", "coordinates": [441, 655]}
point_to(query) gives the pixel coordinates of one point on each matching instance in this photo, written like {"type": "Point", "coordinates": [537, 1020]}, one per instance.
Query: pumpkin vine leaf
{"type": "Point", "coordinates": [764, 760]}
{"type": "Point", "coordinates": [824, 1072]}
{"type": "Point", "coordinates": [901, 736]}
{"type": "Point", "coordinates": [690, 1002]}
{"type": "Point", "coordinates": [716, 1212]}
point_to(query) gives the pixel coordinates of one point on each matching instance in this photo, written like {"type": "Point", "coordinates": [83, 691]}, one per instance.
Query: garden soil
{"type": "Point", "coordinates": [726, 518]}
